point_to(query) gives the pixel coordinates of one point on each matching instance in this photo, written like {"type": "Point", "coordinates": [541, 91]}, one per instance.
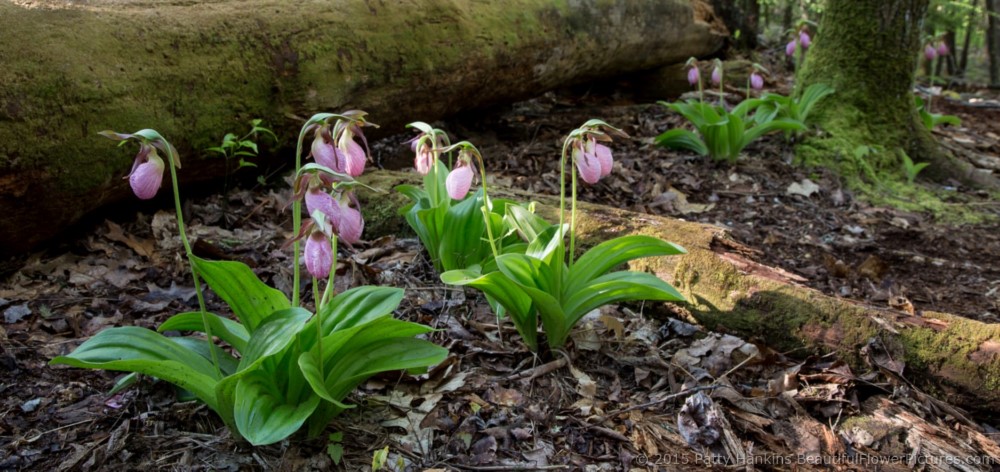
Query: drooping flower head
{"type": "Point", "coordinates": [930, 52]}
{"type": "Point", "coordinates": [693, 74]}
{"type": "Point", "coordinates": [717, 75]}
{"type": "Point", "coordinates": [593, 159]}
{"type": "Point", "coordinates": [791, 47]}
{"type": "Point", "coordinates": [756, 81]}
{"type": "Point", "coordinates": [427, 146]}
{"type": "Point", "coordinates": [355, 156]}
{"type": "Point", "coordinates": [460, 178]}
{"type": "Point", "coordinates": [804, 39]}
{"type": "Point", "coordinates": [146, 175]}
{"type": "Point", "coordinates": [318, 254]}
{"type": "Point", "coordinates": [334, 145]}
{"type": "Point", "coordinates": [325, 153]}
{"type": "Point", "coordinates": [351, 222]}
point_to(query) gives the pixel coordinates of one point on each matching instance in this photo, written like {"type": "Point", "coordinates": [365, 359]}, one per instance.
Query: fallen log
{"type": "Point", "coordinates": [197, 70]}
{"type": "Point", "coordinates": [953, 358]}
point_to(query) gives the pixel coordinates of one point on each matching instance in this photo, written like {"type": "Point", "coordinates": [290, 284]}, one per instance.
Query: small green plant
{"type": "Point", "coordinates": [284, 366]}
{"type": "Point", "coordinates": [910, 169]}
{"type": "Point", "coordinates": [775, 105]}
{"type": "Point", "coordinates": [243, 147]}
{"type": "Point", "coordinates": [334, 448]}
{"type": "Point", "coordinates": [933, 120]}
{"type": "Point", "coordinates": [721, 134]}
{"type": "Point", "coordinates": [544, 281]}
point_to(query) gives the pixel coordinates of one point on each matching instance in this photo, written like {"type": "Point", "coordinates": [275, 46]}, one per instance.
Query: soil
{"type": "Point", "coordinates": [632, 391]}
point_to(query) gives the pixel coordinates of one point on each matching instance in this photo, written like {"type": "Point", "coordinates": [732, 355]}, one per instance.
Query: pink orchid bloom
{"type": "Point", "coordinates": [354, 153]}
{"type": "Point", "coordinates": [603, 155]}
{"type": "Point", "coordinates": [318, 255]}
{"type": "Point", "coordinates": [327, 155]}
{"type": "Point", "coordinates": [587, 164]}
{"type": "Point", "coordinates": [756, 81]}
{"type": "Point", "coordinates": [716, 75]}
{"type": "Point", "coordinates": [694, 75]}
{"type": "Point", "coordinates": [790, 47]}
{"type": "Point", "coordinates": [930, 52]}
{"type": "Point", "coordinates": [319, 200]}
{"type": "Point", "coordinates": [804, 40]}
{"type": "Point", "coordinates": [424, 160]}
{"type": "Point", "coordinates": [147, 173]}
{"type": "Point", "coordinates": [459, 180]}
{"type": "Point", "coordinates": [942, 49]}
{"type": "Point", "coordinates": [351, 225]}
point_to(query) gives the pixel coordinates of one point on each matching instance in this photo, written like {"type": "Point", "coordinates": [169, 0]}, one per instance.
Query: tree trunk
{"type": "Point", "coordinates": [737, 19]}
{"type": "Point", "coordinates": [993, 39]}
{"type": "Point", "coordinates": [867, 51]}
{"type": "Point", "coordinates": [954, 357]}
{"type": "Point", "coordinates": [196, 70]}
{"type": "Point", "coordinates": [970, 27]}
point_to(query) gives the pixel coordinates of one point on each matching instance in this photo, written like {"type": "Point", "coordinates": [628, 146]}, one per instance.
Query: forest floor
{"type": "Point", "coordinates": [613, 402]}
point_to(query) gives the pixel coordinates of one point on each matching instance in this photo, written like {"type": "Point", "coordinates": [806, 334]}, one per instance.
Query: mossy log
{"type": "Point", "coordinates": [954, 358]}
{"type": "Point", "coordinates": [197, 70]}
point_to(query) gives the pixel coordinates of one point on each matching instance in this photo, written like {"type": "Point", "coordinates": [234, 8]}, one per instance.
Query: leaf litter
{"type": "Point", "coordinates": [632, 390]}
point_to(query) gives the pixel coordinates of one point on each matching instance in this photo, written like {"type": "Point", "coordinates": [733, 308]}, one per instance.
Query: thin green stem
{"type": "Point", "coordinates": [331, 287]}
{"type": "Point", "coordinates": [319, 324]}
{"type": "Point", "coordinates": [572, 220]}
{"type": "Point", "coordinates": [487, 207]}
{"type": "Point", "coordinates": [190, 256]}
{"type": "Point", "coordinates": [562, 185]}
{"type": "Point", "coordinates": [297, 222]}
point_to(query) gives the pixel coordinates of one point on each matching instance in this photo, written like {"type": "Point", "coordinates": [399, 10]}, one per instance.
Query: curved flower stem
{"type": "Point", "coordinates": [487, 207]}
{"type": "Point", "coordinates": [331, 287]}
{"type": "Point", "coordinates": [562, 185]}
{"type": "Point", "coordinates": [190, 257]}
{"type": "Point", "coordinates": [297, 223]}
{"type": "Point", "coordinates": [572, 219]}
{"type": "Point", "coordinates": [319, 322]}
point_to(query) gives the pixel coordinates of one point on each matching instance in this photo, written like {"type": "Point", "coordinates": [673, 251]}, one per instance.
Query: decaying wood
{"type": "Point", "coordinates": [197, 70]}
{"type": "Point", "coordinates": [953, 358]}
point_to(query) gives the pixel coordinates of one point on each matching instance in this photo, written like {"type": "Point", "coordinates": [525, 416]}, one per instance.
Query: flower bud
{"type": "Point", "coordinates": [318, 255]}
{"type": "Point", "coordinates": [147, 173]}
{"type": "Point", "coordinates": [459, 180]}
{"type": "Point", "coordinates": [756, 81]}
{"type": "Point", "coordinates": [717, 75]}
{"type": "Point", "coordinates": [930, 53]}
{"type": "Point", "coordinates": [790, 47]}
{"type": "Point", "coordinates": [804, 40]}
{"type": "Point", "coordinates": [694, 76]}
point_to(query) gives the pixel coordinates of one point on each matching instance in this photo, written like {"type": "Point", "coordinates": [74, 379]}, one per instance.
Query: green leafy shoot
{"type": "Point", "coordinates": [719, 133]}
{"type": "Point", "coordinates": [911, 169]}
{"type": "Point", "coordinates": [933, 120]}
{"type": "Point", "coordinates": [777, 106]}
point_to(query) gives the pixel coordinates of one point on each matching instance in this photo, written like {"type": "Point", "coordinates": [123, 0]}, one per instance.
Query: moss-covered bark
{"type": "Point", "coordinates": [953, 357]}
{"type": "Point", "coordinates": [196, 70]}
{"type": "Point", "coordinates": [868, 51]}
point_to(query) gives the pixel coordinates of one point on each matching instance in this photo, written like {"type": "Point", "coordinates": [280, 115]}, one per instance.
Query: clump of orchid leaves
{"type": "Point", "coordinates": [722, 133]}
{"type": "Point", "coordinates": [539, 279]}
{"type": "Point", "coordinates": [277, 366]}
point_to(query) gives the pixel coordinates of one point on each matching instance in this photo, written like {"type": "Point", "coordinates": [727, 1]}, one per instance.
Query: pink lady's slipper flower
{"type": "Point", "coordinates": [804, 40]}
{"type": "Point", "coordinates": [355, 156]}
{"type": "Point", "coordinates": [318, 200]}
{"type": "Point", "coordinates": [459, 180]}
{"type": "Point", "coordinates": [424, 160]}
{"type": "Point", "coordinates": [147, 173]}
{"type": "Point", "coordinates": [756, 81]}
{"type": "Point", "coordinates": [790, 47]}
{"type": "Point", "coordinates": [930, 52]}
{"type": "Point", "coordinates": [717, 75]}
{"type": "Point", "coordinates": [942, 49]}
{"type": "Point", "coordinates": [325, 153]}
{"type": "Point", "coordinates": [351, 223]}
{"type": "Point", "coordinates": [318, 255]}
{"type": "Point", "coordinates": [603, 155]}
{"type": "Point", "coordinates": [587, 163]}
{"type": "Point", "coordinates": [694, 75]}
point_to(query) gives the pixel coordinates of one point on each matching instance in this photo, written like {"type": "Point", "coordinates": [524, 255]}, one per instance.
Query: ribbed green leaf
{"type": "Point", "coordinates": [619, 287]}
{"type": "Point", "coordinates": [250, 299]}
{"type": "Point", "coordinates": [506, 293]}
{"type": "Point", "coordinates": [605, 256]}
{"type": "Point", "coordinates": [263, 415]}
{"type": "Point", "coordinates": [273, 335]}
{"type": "Point", "coordinates": [360, 305]}
{"type": "Point", "coordinates": [227, 330]}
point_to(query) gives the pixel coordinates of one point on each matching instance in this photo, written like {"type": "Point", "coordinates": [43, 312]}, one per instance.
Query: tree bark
{"type": "Point", "coordinates": [867, 51]}
{"type": "Point", "coordinates": [196, 70]}
{"type": "Point", "coordinates": [957, 359]}
{"type": "Point", "coordinates": [970, 27]}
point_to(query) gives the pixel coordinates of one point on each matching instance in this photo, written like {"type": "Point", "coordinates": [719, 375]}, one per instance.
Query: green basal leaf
{"type": "Point", "coordinates": [682, 139]}
{"type": "Point", "coordinates": [273, 335]}
{"type": "Point", "coordinates": [225, 329]}
{"type": "Point", "coordinates": [619, 287]}
{"type": "Point", "coordinates": [609, 254]}
{"type": "Point", "coordinates": [133, 349]}
{"type": "Point", "coordinates": [227, 363]}
{"type": "Point", "coordinates": [263, 415]}
{"type": "Point", "coordinates": [506, 293]}
{"type": "Point", "coordinates": [250, 299]}
{"type": "Point", "coordinates": [360, 305]}
{"type": "Point", "coordinates": [462, 244]}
